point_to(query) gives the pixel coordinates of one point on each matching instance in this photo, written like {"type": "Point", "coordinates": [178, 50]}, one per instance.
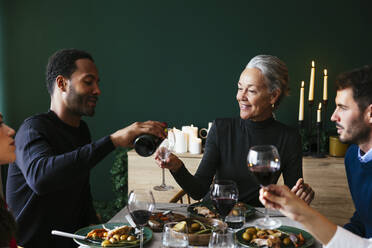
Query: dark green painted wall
{"type": "Point", "coordinates": [177, 61]}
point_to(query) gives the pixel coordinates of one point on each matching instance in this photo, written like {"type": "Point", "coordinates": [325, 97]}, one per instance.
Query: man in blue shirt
{"type": "Point", "coordinates": [353, 118]}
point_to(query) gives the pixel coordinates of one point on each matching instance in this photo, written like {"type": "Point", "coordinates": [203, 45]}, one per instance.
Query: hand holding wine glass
{"type": "Point", "coordinates": [163, 152]}
{"type": "Point", "coordinates": [141, 203]}
{"type": "Point", "coordinates": [224, 195]}
{"type": "Point", "coordinates": [264, 162]}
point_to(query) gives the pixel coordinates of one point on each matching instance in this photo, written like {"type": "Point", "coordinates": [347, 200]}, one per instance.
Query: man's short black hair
{"type": "Point", "coordinates": [62, 63]}
{"type": "Point", "coordinates": [360, 81]}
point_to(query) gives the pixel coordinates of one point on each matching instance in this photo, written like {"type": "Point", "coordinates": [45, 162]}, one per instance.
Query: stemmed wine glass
{"type": "Point", "coordinates": [164, 150]}
{"type": "Point", "coordinates": [263, 162]}
{"type": "Point", "coordinates": [224, 195]}
{"type": "Point", "coordinates": [141, 203]}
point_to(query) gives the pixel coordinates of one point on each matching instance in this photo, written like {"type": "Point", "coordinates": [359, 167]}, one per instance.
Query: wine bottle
{"type": "Point", "coordinates": [146, 144]}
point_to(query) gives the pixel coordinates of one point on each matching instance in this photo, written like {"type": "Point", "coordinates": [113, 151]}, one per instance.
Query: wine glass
{"type": "Point", "coordinates": [141, 203]}
{"type": "Point", "coordinates": [164, 150]}
{"type": "Point", "coordinates": [221, 240]}
{"type": "Point", "coordinates": [224, 195]}
{"type": "Point", "coordinates": [175, 234]}
{"type": "Point", "coordinates": [264, 162]}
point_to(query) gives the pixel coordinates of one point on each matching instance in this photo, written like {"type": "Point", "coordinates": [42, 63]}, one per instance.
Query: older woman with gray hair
{"type": "Point", "coordinates": [260, 89]}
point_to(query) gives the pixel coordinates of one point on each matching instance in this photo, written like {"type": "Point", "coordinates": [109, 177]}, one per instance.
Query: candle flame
{"type": "Point", "coordinates": [312, 63]}
{"type": "Point", "coordinates": [325, 72]}
{"type": "Point", "coordinates": [320, 106]}
{"type": "Point", "coordinates": [302, 84]}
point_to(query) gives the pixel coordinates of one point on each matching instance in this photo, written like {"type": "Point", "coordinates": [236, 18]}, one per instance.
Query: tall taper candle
{"type": "Point", "coordinates": [302, 99]}
{"type": "Point", "coordinates": [325, 85]}
{"type": "Point", "coordinates": [319, 113]}
{"type": "Point", "coordinates": [312, 77]}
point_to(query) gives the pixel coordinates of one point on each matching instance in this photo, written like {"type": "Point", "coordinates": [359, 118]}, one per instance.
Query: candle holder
{"type": "Point", "coordinates": [311, 104]}
{"type": "Point", "coordinates": [318, 153]}
{"type": "Point", "coordinates": [325, 115]}
{"type": "Point", "coordinates": [304, 140]}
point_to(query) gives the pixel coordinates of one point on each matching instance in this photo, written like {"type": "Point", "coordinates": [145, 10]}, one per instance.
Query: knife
{"type": "Point", "coordinates": [74, 236]}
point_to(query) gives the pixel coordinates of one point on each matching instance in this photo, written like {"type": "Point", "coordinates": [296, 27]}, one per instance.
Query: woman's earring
{"type": "Point", "coordinates": [273, 105]}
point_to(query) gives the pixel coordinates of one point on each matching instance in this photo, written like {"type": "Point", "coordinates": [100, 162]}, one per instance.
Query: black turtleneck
{"type": "Point", "coordinates": [48, 185]}
{"type": "Point", "coordinates": [225, 156]}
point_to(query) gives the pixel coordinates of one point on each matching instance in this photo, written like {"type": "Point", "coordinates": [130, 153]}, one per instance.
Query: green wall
{"type": "Point", "coordinates": [2, 65]}
{"type": "Point", "coordinates": [177, 61]}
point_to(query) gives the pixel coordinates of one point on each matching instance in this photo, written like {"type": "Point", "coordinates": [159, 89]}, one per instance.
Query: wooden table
{"type": "Point", "coordinates": [156, 240]}
{"type": "Point", "coordinates": [326, 176]}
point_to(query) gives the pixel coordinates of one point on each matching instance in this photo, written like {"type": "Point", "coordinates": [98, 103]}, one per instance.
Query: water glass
{"type": "Point", "coordinates": [175, 237]}
{"type": "Point", "coordinates": [222, 240]}
{"type": "Point", "coordinates": [236, 219]}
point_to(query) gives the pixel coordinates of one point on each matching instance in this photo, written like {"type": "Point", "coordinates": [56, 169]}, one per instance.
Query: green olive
{"type": "Point", "coordinates": [251, 230]}
{"type": "Point", "coordinates": [286, 241]}
{"type": "Point", "coordinates": [246, 236]}
{"type": "Point", "coordinates": [195, 227]}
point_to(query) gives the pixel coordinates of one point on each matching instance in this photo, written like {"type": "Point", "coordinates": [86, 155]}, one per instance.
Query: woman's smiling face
{"type": "Point", "coordinates": [254, 97]}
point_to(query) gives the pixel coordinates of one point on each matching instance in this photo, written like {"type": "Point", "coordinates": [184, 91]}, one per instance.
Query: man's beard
{"type": "Point", "coordinates": [77, 103]}
{"type": "Point", "coordinates": [357, 133]}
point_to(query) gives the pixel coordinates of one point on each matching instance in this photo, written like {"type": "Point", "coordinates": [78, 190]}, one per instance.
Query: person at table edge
{"type": "Point", "coordinates": [353, 117]}
{"type": "Point", "coordinates": [261, 87]}
{"type": "Point", "coordinates": [48, 185]}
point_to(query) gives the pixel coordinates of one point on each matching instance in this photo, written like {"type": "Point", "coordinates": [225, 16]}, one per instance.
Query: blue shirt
{"type": "Point", "coordinates": [366, 157]}
{"type": "Point", "coordinates": [359, 176]}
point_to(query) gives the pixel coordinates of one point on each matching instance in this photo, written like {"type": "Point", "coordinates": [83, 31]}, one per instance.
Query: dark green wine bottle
{"type": "Point", "coordinates": [146, 144]}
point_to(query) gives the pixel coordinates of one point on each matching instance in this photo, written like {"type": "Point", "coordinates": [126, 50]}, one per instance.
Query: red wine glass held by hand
{"type": "Point", "coordinates": [224, 195]}
{"type": "Point", "coordinates": [264, 162]}
{"type": "Point", "coordinates": [141, 203]}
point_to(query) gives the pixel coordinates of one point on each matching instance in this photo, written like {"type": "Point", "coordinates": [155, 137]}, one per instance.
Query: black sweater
{"type": "Point", "coordinates": [225, 156]}
{"type": "Point", "coordinates": [48, 185]}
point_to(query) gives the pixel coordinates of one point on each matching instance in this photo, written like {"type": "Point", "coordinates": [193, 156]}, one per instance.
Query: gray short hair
{"type": "Point", "coordinates": [275, 72]}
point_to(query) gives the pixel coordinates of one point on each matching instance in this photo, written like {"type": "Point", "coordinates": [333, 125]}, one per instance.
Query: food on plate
{"type": "Point", "coordinates": [271, 238]}
{"type": "Point", "coordinates": [204, 211]}
{"type": "Point", "coordinates": [158, 219]}
{"type": "Point", "coordinates": [97, 234]}
{"type": "Point", "coordinates": [120, 235]}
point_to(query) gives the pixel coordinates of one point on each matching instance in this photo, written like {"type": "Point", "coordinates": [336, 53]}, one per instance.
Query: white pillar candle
{"type": "Point", "coordinates": [209, 125]}
{"type": "Point", "coordinates": [181, 141]}
{"type": "Point", "coordinates": [193, 131]}
{"type": "Point", "coordinates": [195, 145]}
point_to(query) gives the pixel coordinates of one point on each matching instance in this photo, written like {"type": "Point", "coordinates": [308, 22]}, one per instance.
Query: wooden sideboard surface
{"type": "Point", "coordinates": [326, 176]}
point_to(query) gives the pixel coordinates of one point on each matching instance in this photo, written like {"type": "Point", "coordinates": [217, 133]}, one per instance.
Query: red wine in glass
{"type": "Point", "coordinates": [264, 174]}
{"type": "Point", "coordinates": [223, 205]}
{"type": "Point", "coordinates": [263, 161]}
{"type": "Point", "coordinates": [141, 203]}
{"type": "Point", "coordinates": [140, 217]}
{"type": "Point", "coordinates": [224, 195]}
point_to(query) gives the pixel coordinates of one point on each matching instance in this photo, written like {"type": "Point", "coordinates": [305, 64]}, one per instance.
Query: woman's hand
{"type": "Point", "coordinates": [303, 191]}
{"type": "Point", "coordinates": [172, 163]}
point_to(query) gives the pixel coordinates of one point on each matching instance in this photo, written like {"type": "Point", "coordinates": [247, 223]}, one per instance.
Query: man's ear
{"type": "Point", "coordinates": [61, 82]}
{"type": "Point", "coordinates": [369, 113]}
